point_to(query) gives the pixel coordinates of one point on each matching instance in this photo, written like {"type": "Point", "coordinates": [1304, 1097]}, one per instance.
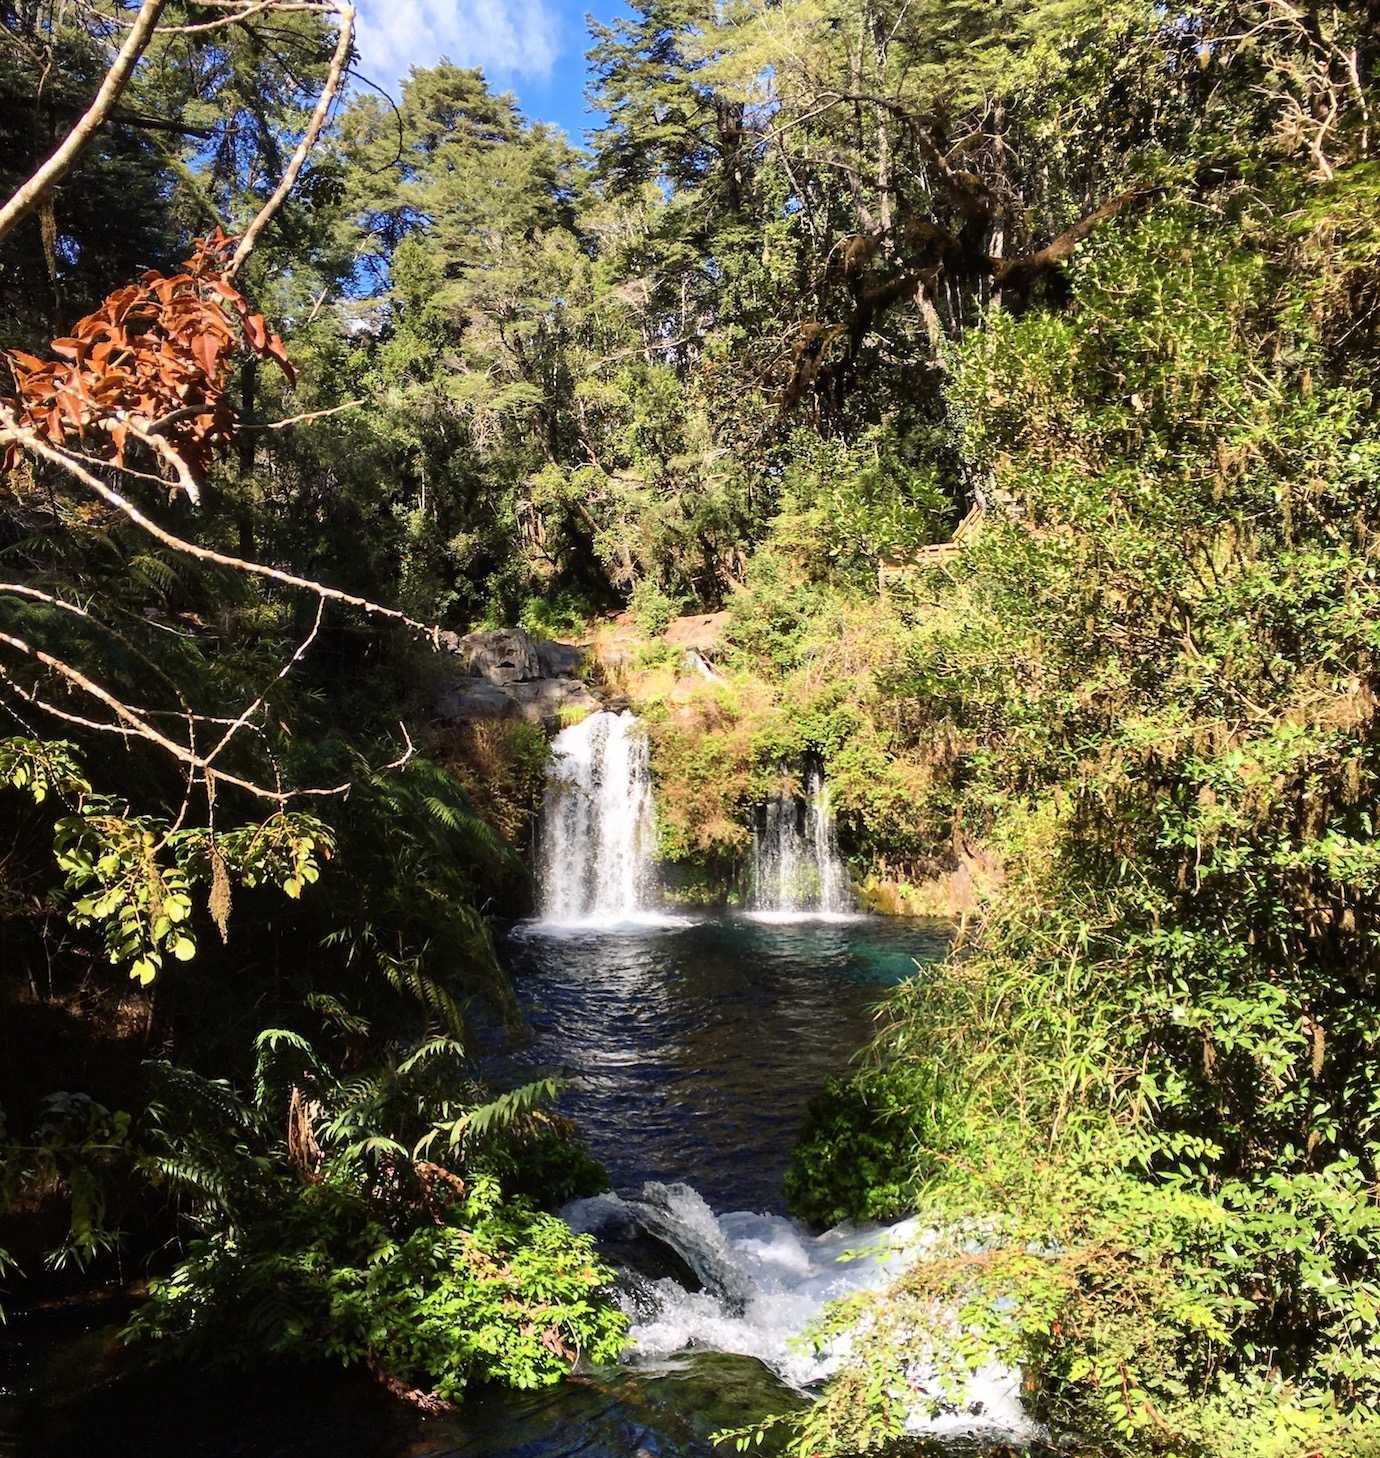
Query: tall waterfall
{"type": "Point", "coordinates": [597, 826]}
{"type": "Point", "coordinates": [796, 868]}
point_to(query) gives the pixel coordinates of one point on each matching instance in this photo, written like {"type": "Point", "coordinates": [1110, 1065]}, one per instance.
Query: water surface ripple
{"type": "Point", "coordinates": [692, 1050]}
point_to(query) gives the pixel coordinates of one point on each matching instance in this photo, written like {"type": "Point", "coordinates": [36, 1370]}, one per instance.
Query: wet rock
{"type": "Point", "coordinates": [641, 1256]}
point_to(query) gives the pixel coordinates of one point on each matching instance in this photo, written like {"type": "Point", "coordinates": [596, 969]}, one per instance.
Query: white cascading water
{"type": "Point", "coordinates": [796, 869]}
{"type": "Point", "coordinates": [597, 823]}
{"type": "Point", "coordinates": [765, 1280]}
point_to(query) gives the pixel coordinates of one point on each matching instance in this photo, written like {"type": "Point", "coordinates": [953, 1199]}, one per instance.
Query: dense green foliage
{"type": "Point", "coordinates": [867, 1141]}
{"type": "Point", "coordinates": [1165, 1028]}
{"type": "Point", "coordinates": [480, 1288]}
{"type": "Point", "coordinates": [832, 275]}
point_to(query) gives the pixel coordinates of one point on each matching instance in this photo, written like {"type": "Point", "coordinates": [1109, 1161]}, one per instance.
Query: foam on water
{"type": "Point", "coordinates": [765, 1280]}
{"type": "Point", "coordinates": [631, 925]}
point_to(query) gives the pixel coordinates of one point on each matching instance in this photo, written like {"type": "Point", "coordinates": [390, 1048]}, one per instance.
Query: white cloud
{"type": "Point", "coordinates": [509, 38]}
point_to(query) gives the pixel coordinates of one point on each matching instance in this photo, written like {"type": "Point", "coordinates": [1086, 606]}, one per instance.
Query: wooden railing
{"type": "Point", "coordinates": [891, 569]}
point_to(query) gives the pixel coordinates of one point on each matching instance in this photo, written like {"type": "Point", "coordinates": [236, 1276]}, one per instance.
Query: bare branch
{"type": "Point", "coordinates": [334, 76]}
{"type": "Point", "coordinates": [21, 589]}
{"type": "Point", "coordinates": [163, 448]}
{"type": "Point", "coordinates": [247, 13]}
{"type": "Point", "coordinates": [10, 429]}
{"type": "Point", "coordinates": [80, 720]}
{"type": "Point", "coordinates": [306, 416]}
{"type": "Point", "coordinates": [133, 724]}
{"type": "Point", "coordinates": [38, 187]}
{"type": "Point", "coordinates": [1061, 249]}
{"type": "Point", "coordinates": [282, 673]}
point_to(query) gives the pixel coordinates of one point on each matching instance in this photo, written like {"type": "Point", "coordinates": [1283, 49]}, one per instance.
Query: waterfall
{"type": "Point", "coordinates": [597, 826]}
{"type": "Point", "coordinates": [796, 869]}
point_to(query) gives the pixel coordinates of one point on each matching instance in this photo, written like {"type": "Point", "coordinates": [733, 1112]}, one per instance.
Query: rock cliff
{"type": "Point", "coordinates": [508, 674]}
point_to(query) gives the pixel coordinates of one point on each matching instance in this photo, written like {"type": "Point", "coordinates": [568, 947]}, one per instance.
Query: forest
{"type": "Point", "coordinates": [907, 479]}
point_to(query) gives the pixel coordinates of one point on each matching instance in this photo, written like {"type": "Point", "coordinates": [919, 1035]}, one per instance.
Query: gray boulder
{"type": "Point", "coordinates": [470, 699]}
{"type": "Point", "coordinates": [547, 699]}
{"type": "Point", "coordinates": [559, 660]}
{"type": "Point", "coordinates": [505, 655]}
{"type": "Point", "coordinates": [508, 674]}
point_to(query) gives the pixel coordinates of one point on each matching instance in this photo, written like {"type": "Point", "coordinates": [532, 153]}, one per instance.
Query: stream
{"type": "Point", "coordinates": [690, 1046]}
{"type": "Point", "coordinates": [694, 1045]}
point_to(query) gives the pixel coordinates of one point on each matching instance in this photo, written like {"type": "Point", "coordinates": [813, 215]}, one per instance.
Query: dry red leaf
{"type": "Point", "coordinates": [157, 349]}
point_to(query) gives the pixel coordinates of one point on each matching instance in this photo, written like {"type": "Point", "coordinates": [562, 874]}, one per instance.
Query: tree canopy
{"type": "Point", "coordinates": [297, 381]}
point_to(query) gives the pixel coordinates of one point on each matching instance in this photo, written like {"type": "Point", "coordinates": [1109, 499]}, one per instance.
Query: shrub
{"type": "Point", "coordinates": [379, 1218]}
{"type": "Point", "coordinates": [654, 609]}
{"type": "Point", "coordinates": [867, 1143]}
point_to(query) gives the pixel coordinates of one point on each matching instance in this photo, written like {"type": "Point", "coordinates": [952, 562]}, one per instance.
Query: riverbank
{"type": "Point", "coordinates": [691, 1051]}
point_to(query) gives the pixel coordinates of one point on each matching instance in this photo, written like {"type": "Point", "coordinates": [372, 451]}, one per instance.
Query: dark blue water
{"type": "Point", "coordinates": [693, 1050]}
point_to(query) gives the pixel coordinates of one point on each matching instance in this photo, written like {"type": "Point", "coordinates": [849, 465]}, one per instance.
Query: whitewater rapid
{"type": "Point", "coordinates": [765, 1280]}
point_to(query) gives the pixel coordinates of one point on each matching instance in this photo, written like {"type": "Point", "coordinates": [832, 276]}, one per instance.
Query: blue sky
{"type": "Point", "coordinates": [534, 48]}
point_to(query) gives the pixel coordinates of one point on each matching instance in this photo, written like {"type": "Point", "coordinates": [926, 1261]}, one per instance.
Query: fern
{"type": "Point", "coordinates": [209, 1182]}
{"type": "Point", "coordinates": [180, 1095]}
{"type": "Point", "coordinates": [426, 1052]}
{"type": "Point", "coordinates": [502, 1113]}
{"type": "Point", "coordinates": [267, 1046]}
{"type": "Point", "coordinates": [375, 1144]}
{"type": "Point", "coordinates": [153, 572]}
{"type": "Point", "coordinates": [405, 976]}
{"type": "Point", "coordinates": [335, 1014]}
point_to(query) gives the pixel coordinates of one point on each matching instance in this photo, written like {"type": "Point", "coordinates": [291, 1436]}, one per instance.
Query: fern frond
{"type": "Point", "coordinates": [433, 1048]}
{"type": "Point", "coordinates": [503, 1112]}
{"type": "Point", "coordinates": [335, 1014]}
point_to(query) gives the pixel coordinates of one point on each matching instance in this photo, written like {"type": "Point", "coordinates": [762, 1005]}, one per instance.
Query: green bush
{"type": "Point", "coordinates": [494, 1291]}
{"type": "Point", "coordinates": [380, 1218]}
{"type": "Point", "coordinates": [653, 608]}
{"type": "Point", "coordinates": [867, 1143]}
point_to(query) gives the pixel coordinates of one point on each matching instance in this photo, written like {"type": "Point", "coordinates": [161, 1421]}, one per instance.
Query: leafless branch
{"type": "Point", "coordinates": [38, 187]}
{"type": "Point", "coordinates": [334, 77]}
{"type": "Point", "coordinates": [282, 673]}
{"type": "Point", "coordinates": [133, 724]}
{"type": "Point", "coordinates": [22, 589]}
{"type": "Point", "coordinates": [163, 448]}
{"type": "Point", "coordinates": [10, 429]}
{"type": "Point", "coordinates": [306, 416]}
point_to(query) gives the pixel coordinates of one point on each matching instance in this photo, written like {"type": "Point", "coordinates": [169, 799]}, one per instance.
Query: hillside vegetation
{"type": "Point", "coordinates": [830, 275]}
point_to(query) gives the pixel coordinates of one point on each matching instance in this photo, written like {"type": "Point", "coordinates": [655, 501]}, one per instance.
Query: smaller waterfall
{"type": "Point", "coordinates": [796, 869]}
{"type": "Point", "coordinates": [597, 823]}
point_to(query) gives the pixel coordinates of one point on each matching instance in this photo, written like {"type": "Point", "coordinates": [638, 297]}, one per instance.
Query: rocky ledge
{"type": "Point", "coordinates": [508, 674]}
